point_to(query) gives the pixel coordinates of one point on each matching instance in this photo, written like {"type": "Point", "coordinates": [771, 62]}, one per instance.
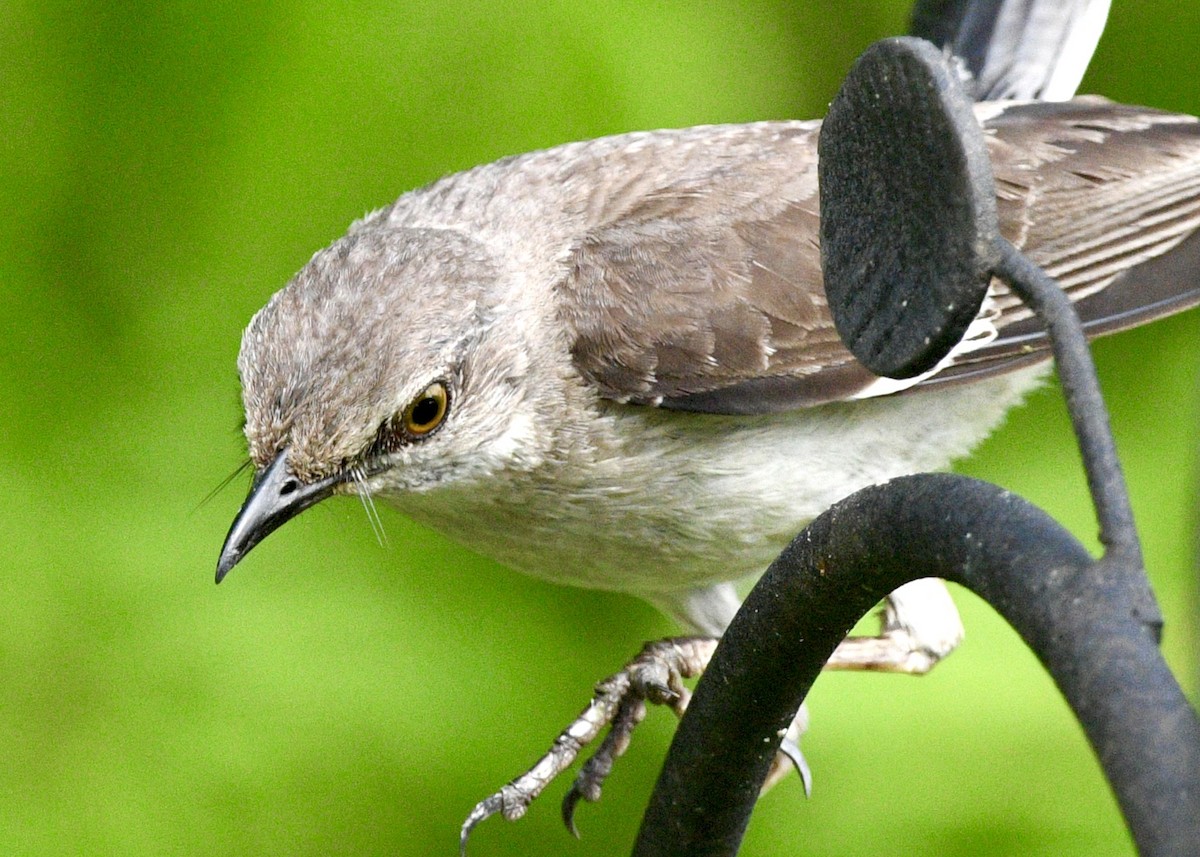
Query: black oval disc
{"type": "Point", "coordinates": [908, 208]}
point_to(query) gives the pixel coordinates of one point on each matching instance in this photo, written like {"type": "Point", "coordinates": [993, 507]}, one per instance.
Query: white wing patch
{"type": "Point", "coordinates": [980, 333]}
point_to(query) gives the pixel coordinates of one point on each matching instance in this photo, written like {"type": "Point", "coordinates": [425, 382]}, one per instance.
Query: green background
{"type": "Point", "coordinates": [165, 168]}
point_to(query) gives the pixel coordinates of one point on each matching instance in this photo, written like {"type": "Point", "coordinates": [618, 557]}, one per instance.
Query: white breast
{"type": "Point", "coordinates": [666, 501]}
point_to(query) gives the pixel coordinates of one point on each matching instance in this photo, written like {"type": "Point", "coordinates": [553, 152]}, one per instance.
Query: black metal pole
{"type": "Point", "coordinates": [1084, 401]}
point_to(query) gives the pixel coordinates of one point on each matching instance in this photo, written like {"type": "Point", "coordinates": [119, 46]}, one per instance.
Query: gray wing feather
{"type": "Point", "coordinates": [705, 293]}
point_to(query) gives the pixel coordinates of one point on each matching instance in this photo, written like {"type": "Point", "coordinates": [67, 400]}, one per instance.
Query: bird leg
{"type": "Point", "coordinates": [920, 626]}
{"type": "Point", "coordinates": [654, 676]}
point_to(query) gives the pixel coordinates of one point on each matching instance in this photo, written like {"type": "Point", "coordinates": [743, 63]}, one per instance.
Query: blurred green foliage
{"type": "Point", "coordinates": [166, 167]}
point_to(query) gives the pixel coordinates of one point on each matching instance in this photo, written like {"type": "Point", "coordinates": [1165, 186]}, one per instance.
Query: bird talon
{"type": "Point", "coordinates": [570, 801]}
{"type": "Point", "coordinates": [791, 750]}
{"type": "Point", "coordinates": [486, 808]}
{"type": "Point", "coordinates": [659, 693]}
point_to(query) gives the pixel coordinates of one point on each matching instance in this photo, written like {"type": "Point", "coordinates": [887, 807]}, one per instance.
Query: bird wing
{"type": "Point", "coordinates": [704, 291]}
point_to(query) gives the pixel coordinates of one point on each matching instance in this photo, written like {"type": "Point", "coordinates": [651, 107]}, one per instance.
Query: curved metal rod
{"type": "Point", "coordinates": [1089, 417]}
{"type": "Point", "coordinates": [1075, 614]}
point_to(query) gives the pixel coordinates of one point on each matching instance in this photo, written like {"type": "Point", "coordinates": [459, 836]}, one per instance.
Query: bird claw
{"type": "Point", "coordinates": [654, 676]}
{"type": "Point", "coordinates": [791, 750]}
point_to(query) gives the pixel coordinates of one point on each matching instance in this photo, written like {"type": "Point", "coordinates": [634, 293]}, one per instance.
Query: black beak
{"type": "Point", "coordinates": [275, 498]}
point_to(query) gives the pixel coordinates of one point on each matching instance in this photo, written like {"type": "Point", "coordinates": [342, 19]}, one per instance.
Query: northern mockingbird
{"type": "Point", "coordinates": [610, 364]}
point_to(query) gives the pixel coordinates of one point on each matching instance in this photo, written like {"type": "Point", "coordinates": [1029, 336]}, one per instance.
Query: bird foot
{"type": "Point", "coordinates": [655, 676]}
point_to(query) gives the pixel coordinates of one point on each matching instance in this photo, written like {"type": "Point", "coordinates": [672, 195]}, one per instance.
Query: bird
{"type": "Point", "coordinates": [611, 364]}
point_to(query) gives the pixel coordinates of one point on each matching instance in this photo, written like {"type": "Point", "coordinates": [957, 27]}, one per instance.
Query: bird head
{"type": "Point", "coordinates": [391, 363]}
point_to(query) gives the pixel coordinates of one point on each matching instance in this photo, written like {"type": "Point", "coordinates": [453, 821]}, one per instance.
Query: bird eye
{"type": "Point", "coordinates": [427, 411]}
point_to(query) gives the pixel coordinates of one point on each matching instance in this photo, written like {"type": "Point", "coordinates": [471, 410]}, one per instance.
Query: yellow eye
{"type": "Point", "coordinates": [426, 411]}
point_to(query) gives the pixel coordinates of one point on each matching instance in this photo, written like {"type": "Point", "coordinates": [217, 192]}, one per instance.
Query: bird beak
{"type": "Point", "coordinates": [275, 498]}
